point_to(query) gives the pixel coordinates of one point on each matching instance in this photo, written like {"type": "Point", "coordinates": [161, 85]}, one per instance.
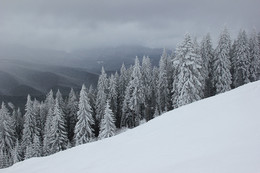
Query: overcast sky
{"type": "Point", "coordinates": [75, 24]}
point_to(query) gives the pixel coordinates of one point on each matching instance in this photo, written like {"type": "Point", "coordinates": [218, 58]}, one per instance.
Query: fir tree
{"type": "Point", "coordinates": [107, 126]}
{"type": "Point", "coordinates": [83, 129]}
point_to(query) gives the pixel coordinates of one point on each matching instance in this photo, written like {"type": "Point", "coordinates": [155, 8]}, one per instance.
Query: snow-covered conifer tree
{"type": "Point", "coordinates": [37, 146]}
{"type": "Point", "coordinates": [60, 100]}
{"type": "Point", "coordinates": [241, 60]}
{"type": "Point", "coordinates": [121, 92]}
{"type": "Point", "coordinates": [207, 54]}
{"type": "Point", "coordinates": [187, 83]}
{"type": "Point", "coordinates": [163, 90]}
{"type": "Point", "coordinates": [72, 108]}
{"type": "Point", "coordinates": [254, 57]}
{"type": "Point", "coordinates": [134, 97]}
{"type": "Point", "coordinates": [147, 82]}
{"type": "Point", "coordinates": [19, 123]}
{"type": "Point", "coordinates": [113, 93]}
{"type": "Point", "coordinates": [38, 120]}
{"type": "Point", "coordinates": [221, 64]}
{"type": "Point", "coordinates": [83, 129]}
{"type": "Point", "coordinates": [59, 136]}
{"type": "Point", "coordinates": [28, 151]}
{"type": "Point", "coordinates": [156, 112]}
{"type": "Point", "coordinates": [29, 124]}
{"type": "Point", "coordinates": [7, 135]}
{"type": "Point", "coordinates": [102, 89]}
{"type": "Point", "coordinates": [16, 152]}
{"type": "Point", "coordinates": [107, 126]}
{"type": "Point", "coordinates": [47, 133]}
{"type": "Point", "coordinates": [155, 100]}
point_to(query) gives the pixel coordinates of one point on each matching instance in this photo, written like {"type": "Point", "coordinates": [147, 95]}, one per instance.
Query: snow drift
{"type": "Point", "coordinates": [219, 134]}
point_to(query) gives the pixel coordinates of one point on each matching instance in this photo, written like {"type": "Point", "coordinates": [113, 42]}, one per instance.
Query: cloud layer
{"type": "Point", "coordinates": [75, 24]}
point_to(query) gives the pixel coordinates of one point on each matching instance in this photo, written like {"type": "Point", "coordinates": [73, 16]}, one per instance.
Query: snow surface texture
{"type": "Point", "coordinates": [216, 135]}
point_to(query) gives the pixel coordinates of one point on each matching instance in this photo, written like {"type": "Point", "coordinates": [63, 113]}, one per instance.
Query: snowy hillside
{"type": "Point", "coordinates": [220, 134]}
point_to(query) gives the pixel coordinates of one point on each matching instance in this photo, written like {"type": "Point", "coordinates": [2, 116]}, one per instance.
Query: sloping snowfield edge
{"type": "Point", "coordinates": [220, 134]}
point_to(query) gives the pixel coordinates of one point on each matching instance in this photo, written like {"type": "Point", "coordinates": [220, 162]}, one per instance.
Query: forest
{"type": "Point", "coordinates": [132, 96]}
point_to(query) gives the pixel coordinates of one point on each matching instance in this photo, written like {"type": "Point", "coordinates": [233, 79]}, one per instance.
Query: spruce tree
{"type": "Point", "coordinates": [62, 106]}
{"type": "Point", "coordinates": [37, 146]}
{"type": "Point", "coordinates": [254, 50]}
{"type": "Point", "coordinates": [241, 60]}
{"type": "Point", "coordinates": [16, 152]}
{"type": "Point", "coordinates": [163, 90]}
{"type": "Point", "coordinates": [72, 108]}
{"type": "Point", "coordinates": [7, 135]}
{"type": "Point", "coordinates": [28, 151]}
{"type": "Point", "coordinates": [147, 82]}
{"type": "Point", "coordinates": [134, 98]}
{"type": "Point", "coordinates": [121, 93]}
{"type": "Point", "coordinates": [113, 93]}
{"type": "Point", "coordinates": [107, 126]}
{"type": "Point", "coordinates": [102, 91]}
{"type": "Point", "coordinates": [29, 124]}
{"type": "Point", "coordinates": [222, 79]}
{"type": "Point", "coordinates": [83, 129]}
{"type": "Point", "coordinates": [155, 100]}
{"type": "Point", "coordinates": [207, 54]}
{"type": "Point", "coordinates": [58, 134]}
{"type": "Point", "coordinates": [187, 83]}
{"type": "Point", "coordinates": [49, 109]}
{"type": "Point", "coordinates": [47, 133]}
{"type": "Point", "coordinates": [19, 123]}
{"type": "Point", "coordinates": [156, 112]}
{"type": "Point", "coordinates": [38, 120]}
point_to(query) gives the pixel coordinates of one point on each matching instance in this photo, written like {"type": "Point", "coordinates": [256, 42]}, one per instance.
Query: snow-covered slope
{"type": "Point", "coordinates": [216, 135]}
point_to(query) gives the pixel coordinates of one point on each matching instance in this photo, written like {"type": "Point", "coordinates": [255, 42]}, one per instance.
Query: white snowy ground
{"type": "Point", "coordinates": [216, 135]}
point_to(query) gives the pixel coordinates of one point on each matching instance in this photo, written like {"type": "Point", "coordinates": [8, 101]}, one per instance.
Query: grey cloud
{"type": "Point", "coordinates": [73, 24]}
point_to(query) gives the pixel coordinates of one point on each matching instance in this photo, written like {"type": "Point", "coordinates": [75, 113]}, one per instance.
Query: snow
{"type": "Point", "coordinates": [215, 135]}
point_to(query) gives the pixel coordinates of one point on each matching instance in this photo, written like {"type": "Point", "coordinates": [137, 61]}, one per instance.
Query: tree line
{"type": "Point", "coordinates": [126, 99]}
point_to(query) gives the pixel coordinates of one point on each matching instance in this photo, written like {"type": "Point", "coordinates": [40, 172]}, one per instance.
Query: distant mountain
{"type": "Point", "coordinates": [19, 78]}
{"type": "Point", "coordinates": [91, 59]}
{"type": "Point", "coordinates": [31, 71]}
{"type": "Point", "coordinates": [113, 57]}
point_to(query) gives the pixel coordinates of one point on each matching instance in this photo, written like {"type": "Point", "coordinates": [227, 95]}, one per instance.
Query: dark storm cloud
{"type": "Point", "coordinates": [72, 24]}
